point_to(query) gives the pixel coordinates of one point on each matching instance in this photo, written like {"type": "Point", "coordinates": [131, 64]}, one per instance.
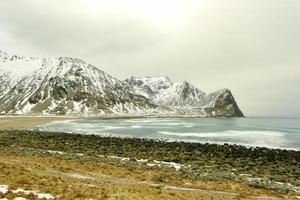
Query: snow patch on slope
{"type": "Point", "coordinates": [149, 87]}
{"type": "Point", "coordinates": [62, 85]}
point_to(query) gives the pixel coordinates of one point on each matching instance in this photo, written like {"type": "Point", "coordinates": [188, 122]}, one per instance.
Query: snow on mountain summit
{"type": "Point", "coordinates": [63, 85]}
{"type": "Point", "coordinates": [185, 98]}
{"type": "Point", "coordinates": [149, 86]}
{"type": "Point", "coordinates": [182, 94]}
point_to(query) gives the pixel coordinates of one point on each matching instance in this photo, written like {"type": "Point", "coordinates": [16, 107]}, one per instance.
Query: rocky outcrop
{"type": "Point", "coordinates": [224, 105]}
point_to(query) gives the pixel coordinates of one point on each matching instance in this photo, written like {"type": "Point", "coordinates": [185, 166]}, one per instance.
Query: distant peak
{"type": "Point", "coordinates": [3, 53]}
{"type": "Point", "coordinates": [150, 77]}
{"type": "Point", "coordinates": [165, 78]}
{"type": "Point", "coordinates": [8, 54]}
{"type": "Point", "coordinates": [70, 59]}
{"type": "Point", "coordinates": [224, 90]}
{"type": "Point", "coordinates": [183, 83]}
{"type": "Point", "coordinates": [150, 80]}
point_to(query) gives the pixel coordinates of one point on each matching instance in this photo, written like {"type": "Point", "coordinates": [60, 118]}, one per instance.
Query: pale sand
{"type": "Point", "coordinates": [27, 122]}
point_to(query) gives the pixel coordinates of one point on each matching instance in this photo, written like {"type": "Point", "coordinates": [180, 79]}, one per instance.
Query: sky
{"type": "Point", "coordinates": [251, 47]}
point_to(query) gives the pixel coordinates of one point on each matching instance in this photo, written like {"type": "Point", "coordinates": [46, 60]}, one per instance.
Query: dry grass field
{"type": "Point", "coordinates": [68, 179]}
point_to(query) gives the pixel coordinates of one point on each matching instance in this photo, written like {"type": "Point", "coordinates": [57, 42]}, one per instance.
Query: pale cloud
{"type": "Point", "coordinates": [249, 46]}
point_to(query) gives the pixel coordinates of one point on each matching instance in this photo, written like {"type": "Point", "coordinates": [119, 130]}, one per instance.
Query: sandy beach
{"type": "Point", "coordinates": [18, 122]}
{"type": "Point", "coordinates": [27, 122]}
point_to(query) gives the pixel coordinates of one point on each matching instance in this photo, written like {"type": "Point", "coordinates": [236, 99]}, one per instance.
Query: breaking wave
{"type": "Point", "coordinates": [272, 139]}
{"type": "Point", "coordinates": [247, 132]}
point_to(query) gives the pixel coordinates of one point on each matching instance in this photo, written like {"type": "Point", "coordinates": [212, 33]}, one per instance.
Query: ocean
{"type": "Point", "coordinates": [283, 133]}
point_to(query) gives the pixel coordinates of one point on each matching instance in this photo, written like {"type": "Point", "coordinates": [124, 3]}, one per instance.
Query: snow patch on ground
{"type": "Point", "coordinates": [177, 166]}
{"type": "Point", "coordinates": [5, 189]}
{"type": "Point", "coordinates": [55, 152]}
{"type": "Point", "coordinates": [270, 183]}
{"type": "Point", "coordinates": [80, 176]}
{"type": "Point", "coordinates": [19, 198]}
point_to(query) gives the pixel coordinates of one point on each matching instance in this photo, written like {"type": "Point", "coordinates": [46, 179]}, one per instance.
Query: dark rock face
{"type": "Point", "coordinates": [226, 106]}
{"type": "Point", "coordinates": [227, 101]}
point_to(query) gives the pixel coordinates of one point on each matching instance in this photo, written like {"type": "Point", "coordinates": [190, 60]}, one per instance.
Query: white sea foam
{"type": "Point", "coordinates": [172, 124]}
{"type": "Point", "coordinates": [138, 121]}
{"type": "Point", "coordinates": [79, 128]}
{"type": "Point", "coordinates": [185, 130]}
{"type": "Point", "coordinates": [262, 138]}
{"type": "Point", "coordinates": [229, 133]}
{"type": "Point", "coordinates": [136, 126]}
{"type": "Point", "coordinates": [148, 120]}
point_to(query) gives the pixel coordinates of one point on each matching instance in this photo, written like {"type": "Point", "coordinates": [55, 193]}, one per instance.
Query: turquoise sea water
{"type": "Point", "coordinates": [281, 133]}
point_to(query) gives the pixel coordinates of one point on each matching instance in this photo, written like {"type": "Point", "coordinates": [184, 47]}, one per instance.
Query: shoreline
{"type": "Point", "coordinates": [22, 122]}
{"type": "Point", "coordinates": [34, 122]}
{"type": "Point", "coordinates": [27, 122]}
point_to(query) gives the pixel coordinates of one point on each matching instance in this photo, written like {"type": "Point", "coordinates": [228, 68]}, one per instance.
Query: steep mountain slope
{"type": "Point", "coordinates": [148, 86]}
{"type": "Point", "coordinates": [184, 98]}
{"type": "Point", "coordinates": [181, 94]}
{"type": "Point", "coordinates": [63, 86]}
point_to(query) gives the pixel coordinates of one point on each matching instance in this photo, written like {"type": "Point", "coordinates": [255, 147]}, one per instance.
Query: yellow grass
{"type": "Point", "coordinates": [68, 179]}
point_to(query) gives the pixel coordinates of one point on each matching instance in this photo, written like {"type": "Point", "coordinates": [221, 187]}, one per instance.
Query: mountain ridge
{"type": "Point", "coordinates": [183, 95]}
{"type": "Point", "coordinates": [64, 85]}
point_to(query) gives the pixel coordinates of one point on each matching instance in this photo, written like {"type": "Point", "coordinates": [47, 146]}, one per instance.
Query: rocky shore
{"type": "Point", "coordinates": [274, 169]}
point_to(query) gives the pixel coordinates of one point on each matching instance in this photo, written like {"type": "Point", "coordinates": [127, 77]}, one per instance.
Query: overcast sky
{"type": "Point", "coordinates": [249, 46]}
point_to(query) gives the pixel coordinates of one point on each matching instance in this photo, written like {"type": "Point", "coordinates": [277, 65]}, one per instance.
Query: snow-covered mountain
{"type": "Point", "coordinates": [148, 86]}
{"type": "Point", "coordinates": [63, 86]}
{"type": "Point", "coordinates": [184, 98]}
